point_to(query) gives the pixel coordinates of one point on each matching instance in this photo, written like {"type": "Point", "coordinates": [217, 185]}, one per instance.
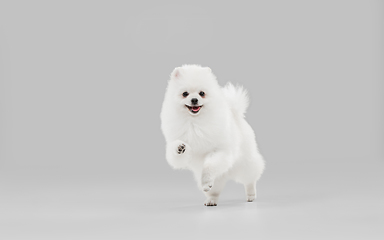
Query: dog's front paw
{"type": "Point", "coordinates": [210, 202]}
{"type": "Point", "coordinates": [181, 148]}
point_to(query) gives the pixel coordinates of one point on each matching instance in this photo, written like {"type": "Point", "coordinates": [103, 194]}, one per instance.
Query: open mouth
{"type": "Point", "coordinates": [194, 109]}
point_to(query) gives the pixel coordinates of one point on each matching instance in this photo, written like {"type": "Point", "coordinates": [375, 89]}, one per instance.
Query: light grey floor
{"type": "Point", "coordinates": [342, 201]}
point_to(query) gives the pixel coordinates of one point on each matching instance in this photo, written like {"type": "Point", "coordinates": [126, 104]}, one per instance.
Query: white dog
{"type": "Point", "coordinates": [205, 131]}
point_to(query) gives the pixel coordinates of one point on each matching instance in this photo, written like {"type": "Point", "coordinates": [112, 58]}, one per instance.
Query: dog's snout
{"type": "Point", "coordinates": [194, 101]}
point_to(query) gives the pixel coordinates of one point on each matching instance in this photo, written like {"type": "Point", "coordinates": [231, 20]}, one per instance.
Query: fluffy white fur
{"type": "Point", "coordinates": [216, 144]}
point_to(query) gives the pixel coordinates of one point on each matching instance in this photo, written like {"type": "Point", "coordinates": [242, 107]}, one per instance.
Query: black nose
{"type": "Point", "coordinates": [194, 101]}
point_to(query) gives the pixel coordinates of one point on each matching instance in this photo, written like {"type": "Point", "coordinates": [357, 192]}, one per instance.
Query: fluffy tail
{"type": "Point", "coordinates": [237, 98]}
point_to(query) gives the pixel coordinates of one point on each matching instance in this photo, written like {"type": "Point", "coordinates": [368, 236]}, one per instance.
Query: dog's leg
{"type": "Point", "coordinates": [213, 194]}
{"type": "Point", "coordinates": [250, 191]}
{"type": "Point", "coordinates": [215, 165]}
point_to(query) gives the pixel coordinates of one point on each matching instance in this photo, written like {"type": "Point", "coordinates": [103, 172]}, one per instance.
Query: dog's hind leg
{"type": "Point", "coordinates": [250, 191]}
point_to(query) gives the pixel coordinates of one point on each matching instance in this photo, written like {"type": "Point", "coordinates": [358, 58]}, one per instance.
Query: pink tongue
{"type": "Point", "coordinates": [195, 108]}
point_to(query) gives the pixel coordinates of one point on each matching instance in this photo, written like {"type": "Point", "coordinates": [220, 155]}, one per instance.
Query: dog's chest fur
{"type": "Point", "coordinates": [200, 137]}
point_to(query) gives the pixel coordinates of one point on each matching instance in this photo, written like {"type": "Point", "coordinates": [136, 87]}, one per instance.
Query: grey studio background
{"type": "Point", "coordinates": [81, 88]}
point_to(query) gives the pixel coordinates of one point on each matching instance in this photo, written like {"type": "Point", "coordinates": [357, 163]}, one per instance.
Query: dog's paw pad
{"type": "Point", "coordinates": [250, 198]}
{"type": "Point", "coordinates": [181, 149]}
{"type": "Point", "coordinates": [210, 202]}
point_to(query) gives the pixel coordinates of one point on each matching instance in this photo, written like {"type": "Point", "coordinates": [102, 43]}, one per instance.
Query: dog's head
{"type": "Point", "coordinates": [193, 88]}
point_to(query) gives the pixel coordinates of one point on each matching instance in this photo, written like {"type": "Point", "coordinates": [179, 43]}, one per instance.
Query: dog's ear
{"type": "Point", "coordinates": [176, 73]}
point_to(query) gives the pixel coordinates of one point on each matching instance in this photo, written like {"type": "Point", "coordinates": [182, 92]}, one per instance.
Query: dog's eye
{"type": "Point", "coordinates": [202, 93]}
{"type": "Point", "coordinates": [185, 94]}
